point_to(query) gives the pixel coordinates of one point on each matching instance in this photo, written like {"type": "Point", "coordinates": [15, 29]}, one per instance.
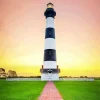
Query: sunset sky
{"type": "Point", "coordinates": [77, 28]}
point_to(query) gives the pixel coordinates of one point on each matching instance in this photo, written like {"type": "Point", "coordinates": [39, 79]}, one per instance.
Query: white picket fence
{"type": "Point", "coordinates": [76, 79]}
{"type": "Point", "coordinates": [23, 79]}
{"type": "Point", "coordinates": [60, 79]}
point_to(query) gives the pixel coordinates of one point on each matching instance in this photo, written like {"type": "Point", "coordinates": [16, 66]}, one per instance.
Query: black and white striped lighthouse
{"type": "Point", "coordinates": [50, 69]}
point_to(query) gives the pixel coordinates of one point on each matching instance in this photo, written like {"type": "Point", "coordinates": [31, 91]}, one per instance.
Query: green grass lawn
{"type": "Point", "coordinates": [71, 90]}
{"type": "Point", "coordinates": [20, 90]}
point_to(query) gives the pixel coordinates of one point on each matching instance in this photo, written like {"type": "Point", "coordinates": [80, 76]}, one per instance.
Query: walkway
{"type": "Point", "coordinates": [50, 92]}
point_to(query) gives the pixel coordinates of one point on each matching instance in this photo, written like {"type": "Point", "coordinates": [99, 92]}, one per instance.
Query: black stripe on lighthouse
{"type": "Point", "coordinates": [49, 55]}
{"type": "Point", "coordinates": [50, 33]}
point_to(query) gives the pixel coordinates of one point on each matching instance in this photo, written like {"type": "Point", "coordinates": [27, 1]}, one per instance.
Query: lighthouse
{"type": "Point", "coordinates": [50, 70]}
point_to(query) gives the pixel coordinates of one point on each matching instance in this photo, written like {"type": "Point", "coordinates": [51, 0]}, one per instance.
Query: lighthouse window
{"type": "Point", "coordinates": [49, 52]}
{"type": "Point", "coordinates": [50, 33]}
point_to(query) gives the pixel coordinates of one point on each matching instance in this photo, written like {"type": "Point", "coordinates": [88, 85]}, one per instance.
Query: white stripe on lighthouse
{"type": "Point", "coordinates": [50, 64]}
{"type": "Point", "coordinates": [50, 43]}
{"type": "Point", "coordinates": [50, 22]}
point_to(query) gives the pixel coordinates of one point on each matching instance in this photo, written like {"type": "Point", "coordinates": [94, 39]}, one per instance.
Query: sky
{"type": "Point", "coordinates": [77, 28]}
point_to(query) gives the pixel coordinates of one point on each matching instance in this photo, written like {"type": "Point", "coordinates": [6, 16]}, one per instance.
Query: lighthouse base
{"type": "Point", "coordinates": [49, 77]}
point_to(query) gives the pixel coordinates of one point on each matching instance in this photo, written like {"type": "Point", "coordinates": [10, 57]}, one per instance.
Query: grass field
{"type": "Point", "coordinates": [70, 90]}
{"type": "Point", "coordinates": [20, 90]}
{"type": "Point", "coordinates": [79, 90]}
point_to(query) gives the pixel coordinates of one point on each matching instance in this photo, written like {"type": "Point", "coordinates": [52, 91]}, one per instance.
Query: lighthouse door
{"type": "Point", "coordinates": [49, 74]}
